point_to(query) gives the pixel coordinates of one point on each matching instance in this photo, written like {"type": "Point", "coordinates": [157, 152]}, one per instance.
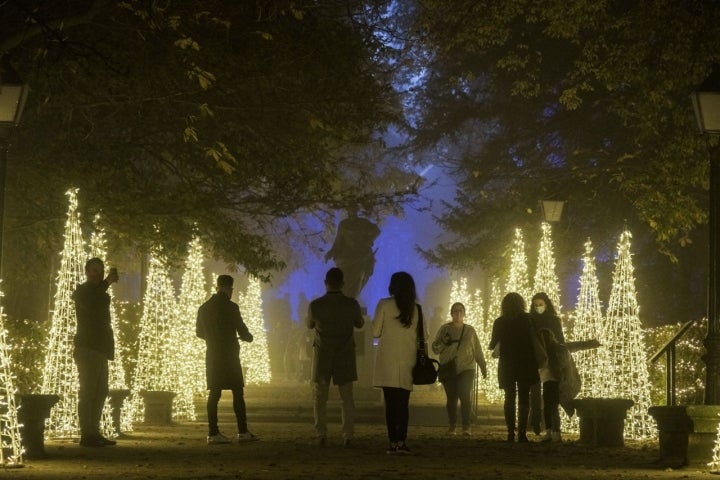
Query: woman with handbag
{"type": "Point", "coordinates": [460, 351]}
{"type": "Point", "coordinates": [395, 325]}
{"type": "Point", "coordinates": [518, 364]}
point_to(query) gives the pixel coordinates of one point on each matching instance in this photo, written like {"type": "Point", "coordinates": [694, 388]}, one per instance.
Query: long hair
{"type": "Point", "coordinates": [402, 288]}
{"type": "Point", "coordinates": [513, 304]}
{"type": "Point", "coordinates": [549, 307]}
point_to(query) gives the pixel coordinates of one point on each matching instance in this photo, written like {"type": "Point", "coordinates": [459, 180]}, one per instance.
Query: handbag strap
{"type": "Point", "coordinates": [420, 330]}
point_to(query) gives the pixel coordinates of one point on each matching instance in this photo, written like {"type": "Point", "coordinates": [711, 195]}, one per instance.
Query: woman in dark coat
{"type": "Point", "coordinates": [517, 367]}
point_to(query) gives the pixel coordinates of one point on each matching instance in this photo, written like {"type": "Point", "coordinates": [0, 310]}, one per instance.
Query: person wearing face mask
{"type": "Point", "coordinates": [544, 318]}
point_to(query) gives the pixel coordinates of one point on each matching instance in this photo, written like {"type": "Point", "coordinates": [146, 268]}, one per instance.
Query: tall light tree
{"type": "Point", "coordinates": [255, 355]}
{"type": "Point", "coordinates": [627, 374]}
{"type": "Point", "coordinates": [60, 375]}
{"type": "Point", "coordinates": [154, 368]}
{"type": "Point", "coordinates": [546, 279]}
{"type": "Point", "coordinates": [490, 385]}
{"type": "Point", "coordinates": [10, 440]}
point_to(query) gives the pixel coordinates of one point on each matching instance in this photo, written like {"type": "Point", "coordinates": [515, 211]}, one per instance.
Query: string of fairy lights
{"type": "Point", "coordinates": [11, 450]}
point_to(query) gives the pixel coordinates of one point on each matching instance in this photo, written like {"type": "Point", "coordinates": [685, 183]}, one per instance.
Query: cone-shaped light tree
{"type": "Point", "coordinates": [473, 303]}
{"type": "Point", "coordinates": [10, 441]}
{"type": "Point", "coordinates": [153, 371]}
{"type": "Point", "coordinates": [59, 371]}
{"type": "Point", "coordinates": [587, 325]}
{"type": "Point", "coordinates": [255, 356]}
{"type": "Point", "coordinates": [627, 375]}
{"type": "Point", "coordinates": [489, 385]}
{"type": "Point", "coordinates": [116, 370]}
{"type": "Point", "coordinates": [714, 464]}
{"type": "Point", "coordinates": [546, 279]}
{"type": "Point", "coordinates": [517, 280]}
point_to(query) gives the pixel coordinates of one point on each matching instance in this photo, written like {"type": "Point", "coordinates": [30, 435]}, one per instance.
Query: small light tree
{"type": "Point", "coordinates": [490, 385]}
{"type": "Point", "coordinates": [10, 441]}
{"type": "Point", "coordinates": [255, 357]}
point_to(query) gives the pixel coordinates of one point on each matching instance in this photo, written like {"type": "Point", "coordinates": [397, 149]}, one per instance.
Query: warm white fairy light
{"type": "Point", "coordinates": [490, 385]}
{"type": "Point", "coordinates": [517, 280]}
{"type": "Point", "coordinates": [715, 463]}
{"type": "Point", "coordinates": [154, 369]}
{"type": "Point", "coordinates": [546, 279]}
{"type": "Point", "coordinates": [10, 441]}
{"type": "Point", "coordinates": [189, 349]}
{"type": "Point", "coordinates": [255, 357]}
{"type": "Point", "coordinates": [59, 371]}
{"type": "Point", "coordinates": [627, 356]}
{"type": "Point", "coordinates": [116, 370]}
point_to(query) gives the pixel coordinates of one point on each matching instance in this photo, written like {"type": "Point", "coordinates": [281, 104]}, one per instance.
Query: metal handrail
{"type": "Point", "coordinates": [669, 349]}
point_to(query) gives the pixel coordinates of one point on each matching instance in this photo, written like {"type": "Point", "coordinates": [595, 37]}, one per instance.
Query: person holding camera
{"type": "Point", "coordinates": [460, 351]}
{"type": "Point", "coordinates": [94, 346]}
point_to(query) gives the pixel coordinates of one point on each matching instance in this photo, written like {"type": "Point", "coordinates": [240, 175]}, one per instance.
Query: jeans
{"type": "Point", "coordinates": [456, 389]}
{"type": "Point", "coordinates": [523, 403]}
{"type": "Point", "coordinates": [397, 412]}
{"type": "Point", "coordinates": [93, 379]}
{"type": "Point", "coordinates": [238, 407]}
{"type": "Point", "coordinates": [320, 397]}
{"type": "Point", "coordinates": [551, 403]}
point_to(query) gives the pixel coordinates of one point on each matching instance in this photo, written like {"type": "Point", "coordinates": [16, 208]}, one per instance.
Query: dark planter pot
{"type": "Point", "coordinates": [33, 410]}
{"type": "Point", "coordinates": [687, 433]}
{"type": "Point", "coordinates": [602, 420]}
{"type": "Point", "coordinates": [158, 407]}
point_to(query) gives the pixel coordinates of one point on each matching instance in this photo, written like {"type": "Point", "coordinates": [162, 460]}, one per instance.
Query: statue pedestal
{"type": "Point", "coordinates": [117, 397]}
{"type": "Point", "coordinates": [33, 410]}
{"type": "Point", "coordinates": [158, 407]}
{"type": "Point", "coordinates": [687, 433]}
{"type": "Point", "coordinates": [602, 420]}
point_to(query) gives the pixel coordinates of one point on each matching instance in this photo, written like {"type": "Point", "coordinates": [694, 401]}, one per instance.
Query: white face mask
{"type": "Point", "coordinates": [539, 309]}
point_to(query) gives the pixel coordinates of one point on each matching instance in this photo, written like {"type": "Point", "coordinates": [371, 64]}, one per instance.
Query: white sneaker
{"type": "Point", "coordinates": [217, 439]}
{"type": "Point", "coordinates": [246, 437]}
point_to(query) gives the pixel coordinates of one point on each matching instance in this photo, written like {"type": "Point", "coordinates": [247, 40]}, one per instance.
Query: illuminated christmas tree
{"type": "Point", "coordinates": [116, 370]}
{"type": "Point", "coordinates": [473, 303]}
{"type": "Point", "coordinates": [255, 357]}
{"type": "Point", "coordinates": [715, 463]}
{"type": "Point", "coordinates": [628, 374]}
{"type": "Point", "coordinates": [154, 369]}
{"type": "Point", "coordinates": [190, 350]}
{"type": "Point", "coordinates": [517, 280]}
{"type": "Point", "coordinates": [587, 325]}
{"type": "Point", "coordinates": [545, 276]}
{"type": "Point", "coordinates": [489, 385]}
{"type": "Point", "coordinates": [10, 441]}
{"type": "Point", "coordinates": [59, 372]}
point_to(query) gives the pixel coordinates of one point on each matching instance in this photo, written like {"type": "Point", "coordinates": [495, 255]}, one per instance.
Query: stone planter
{"type": "Point", "coordinates": [686, 433]}
{"type": "Point", "coordinates": [158, 407]}
{"type": "Point", "coordinates": [33, 410]}
{"type": "Point", "coordinates": [602, 420]}
{"type": "Point", "coordinates": [117, 397]}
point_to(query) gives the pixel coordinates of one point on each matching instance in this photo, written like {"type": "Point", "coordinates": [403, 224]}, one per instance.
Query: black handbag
{"type": "Point", "coordinates": [425, 370]}
{"type": "Point", "coordinates": [448, 371]}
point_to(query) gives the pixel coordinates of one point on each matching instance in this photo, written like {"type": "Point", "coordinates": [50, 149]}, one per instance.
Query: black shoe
{"type": "Point", "coordinates": [511, 437]}
{"type": "Point", "coordinates": [347, 443]}
{"type": "Point", "coordinates": [522, 437]}
{"type": "Point", "coordinates": [92, 442]}
{"type": "Point", "coordinates": [107, 441]}
{"type": "Point", "coordinates": [320, 441]}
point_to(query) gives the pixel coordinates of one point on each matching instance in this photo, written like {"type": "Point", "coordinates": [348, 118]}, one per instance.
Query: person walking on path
{"type": "Point", "coordinates": [219, 323]}
{"type": "Point", "coordinates": [94, 346]}
{"type": "Point", "coordinates": [517, 364]}
{"type": "Point", "coordinates": [334, 317]}
{"type": "Point", "coordinates": [458, 343]}
{"type": "Point", "coordinates": [395, 325]}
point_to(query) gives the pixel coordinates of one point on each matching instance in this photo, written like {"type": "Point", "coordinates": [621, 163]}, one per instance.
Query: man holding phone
{"type": "Point", "coordinates": [94, 347]}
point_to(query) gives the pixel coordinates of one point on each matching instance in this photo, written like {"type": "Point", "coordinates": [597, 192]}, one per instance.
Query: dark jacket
{"type": "Point", "coordinates": [333, 317]}
{"type": "Point", "coordinates": [517, 362]}
{"type": "Point", "coordinates": [92, 308]}
{"type": "Point", "coordinates": [219, 323]}
{"type": "Point", "coordinates": [551, 322]}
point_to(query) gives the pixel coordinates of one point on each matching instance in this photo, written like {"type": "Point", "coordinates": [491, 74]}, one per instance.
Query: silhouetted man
{"type": "Point", "coordinates": [333, 317]}
{"type": "Point", "coordinates": [94, 347]}
{"type": "Point", "coordinates": [219, 323]}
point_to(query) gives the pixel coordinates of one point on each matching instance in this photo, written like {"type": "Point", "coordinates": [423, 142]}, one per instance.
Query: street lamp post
{"type": "Point", "coordinates": [13, 93]}
{"type": "Point", "coordinates": [706, 101]}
